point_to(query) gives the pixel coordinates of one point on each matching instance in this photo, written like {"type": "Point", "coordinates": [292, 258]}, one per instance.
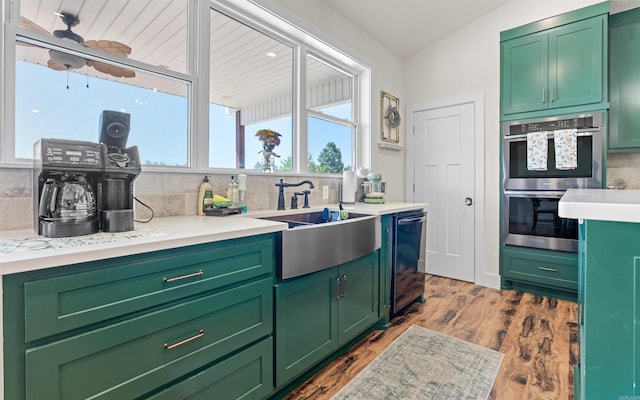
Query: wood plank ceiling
{"type": "Point", "coordinates": [241, 73]}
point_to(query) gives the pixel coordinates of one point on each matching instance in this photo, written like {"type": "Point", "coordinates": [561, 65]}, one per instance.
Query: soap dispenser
{"type": "Point", "coordinates": [205, 196]}
{"type": "Point", "coordinates": [232, 191]}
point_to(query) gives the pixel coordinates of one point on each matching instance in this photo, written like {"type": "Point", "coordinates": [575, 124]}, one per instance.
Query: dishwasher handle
{"type": "Point", "coordinates": [412, 220]}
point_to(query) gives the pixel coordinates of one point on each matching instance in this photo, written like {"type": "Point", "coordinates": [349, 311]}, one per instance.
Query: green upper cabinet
{"type": "Point", "coordinates": [624, 80]}
{"type": "Point", "coordinates": [558, 63]}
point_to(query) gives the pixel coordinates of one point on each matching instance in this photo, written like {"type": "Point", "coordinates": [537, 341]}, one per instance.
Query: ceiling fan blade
{"type": "Point", "coordinates": [27, 23]}
{"type": "Point", "coordinates": [113, 70]}
{"type": "Point", "coordinates": [109, 46]}
{"type": "Point", "coordinates": [56, 66]}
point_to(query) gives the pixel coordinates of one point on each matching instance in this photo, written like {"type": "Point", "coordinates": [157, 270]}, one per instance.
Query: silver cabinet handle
{"type": "Point", "coordinates": [336, 287]}
{"type": "Point", "coordinates": [543, 96]}
{"type": "Point", "coordinates": [553, 94]}
{"type": "Point", "coordinates": [344, 286]}
{"type": "Point", "coordinates": [541, 268]}
{"type": "Point", "coordinates": [185, 341]}
{"type": "Point", "coordinates": [178, 278]}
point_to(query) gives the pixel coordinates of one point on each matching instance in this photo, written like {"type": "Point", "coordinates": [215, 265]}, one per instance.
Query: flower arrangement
{"type": "Point", "coordinates": [270, 139]}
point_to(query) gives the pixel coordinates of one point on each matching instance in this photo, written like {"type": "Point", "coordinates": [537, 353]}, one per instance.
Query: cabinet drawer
{"type": "Point", "coordinates": [68, 302]}
{"type": "Point", "coordinates": [542, 269]}
{"type": "Point", "coordinates": [133, 357]}
{"type": "Point", "coordinates": [247, 375]}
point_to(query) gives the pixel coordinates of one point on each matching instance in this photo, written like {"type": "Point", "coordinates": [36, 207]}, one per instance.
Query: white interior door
{"type": "Point", "coordinates": [444, 178]}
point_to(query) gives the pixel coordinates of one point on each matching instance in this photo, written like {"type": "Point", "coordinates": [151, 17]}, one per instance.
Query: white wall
{"type": "Point", "coordinates": [324, 22]}
{"type": "Point", "coordinates": [468, 62]}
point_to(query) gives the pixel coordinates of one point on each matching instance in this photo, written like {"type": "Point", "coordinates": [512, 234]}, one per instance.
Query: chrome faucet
{"type": "Point", "coordinates": [284, 184]}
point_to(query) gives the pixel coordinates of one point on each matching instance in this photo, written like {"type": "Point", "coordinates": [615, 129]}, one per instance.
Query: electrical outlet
{"type": "Point", "coordinates": [325, 193]}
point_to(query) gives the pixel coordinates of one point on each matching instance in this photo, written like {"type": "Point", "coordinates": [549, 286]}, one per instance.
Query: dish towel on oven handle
{"type": "Point", "coordinates": [566, 147]}
{"type": "Point", "coordinates": [537, 151]}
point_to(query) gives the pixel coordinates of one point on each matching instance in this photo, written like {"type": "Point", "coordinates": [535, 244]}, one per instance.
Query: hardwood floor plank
{"type": "Point", "coordinates": [538, 335]}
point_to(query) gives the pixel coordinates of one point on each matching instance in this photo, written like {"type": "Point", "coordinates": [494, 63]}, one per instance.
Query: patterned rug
{"type": "Point", "coordinates": [426, 365]}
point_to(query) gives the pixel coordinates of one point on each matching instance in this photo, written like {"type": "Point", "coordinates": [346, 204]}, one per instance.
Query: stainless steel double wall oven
{"type": "Point", "coordinates": [530, 197]}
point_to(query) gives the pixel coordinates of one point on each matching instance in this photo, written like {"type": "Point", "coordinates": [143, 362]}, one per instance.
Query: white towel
{"type": "Point", "coordinates": [566, 146]}
{"type": "Point", "coordinates": [537, 150]}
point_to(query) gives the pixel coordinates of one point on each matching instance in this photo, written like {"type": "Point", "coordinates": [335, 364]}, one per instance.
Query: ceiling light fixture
{"type": "Point", "coordinates": [270, 54]}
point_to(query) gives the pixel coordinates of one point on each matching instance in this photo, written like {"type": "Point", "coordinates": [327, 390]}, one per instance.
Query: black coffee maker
{"type": "Point", "coordinates": [121, 167]}
{"type": "Point", "coordinates": [66, 177]}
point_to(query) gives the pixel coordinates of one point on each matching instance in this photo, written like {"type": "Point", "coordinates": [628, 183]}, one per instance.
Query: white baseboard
{"type": "Point", "coordinates": [490, 280]}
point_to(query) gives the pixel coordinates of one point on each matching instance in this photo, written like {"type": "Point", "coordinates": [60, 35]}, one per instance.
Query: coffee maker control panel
{"type": "Point", "coordinates": [61, 153]}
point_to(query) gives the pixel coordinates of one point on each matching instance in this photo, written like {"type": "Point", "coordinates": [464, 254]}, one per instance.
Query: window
{"type": "Point", "coordinates": [330, 118]}
{"type": "Point", "coordinates": [251, 88]}
{"type": "Point", "coordinates": [75, 59]}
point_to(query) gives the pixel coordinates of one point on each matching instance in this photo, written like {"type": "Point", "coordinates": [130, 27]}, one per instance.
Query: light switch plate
{"type": "Point", "coordinates": [325, 193]}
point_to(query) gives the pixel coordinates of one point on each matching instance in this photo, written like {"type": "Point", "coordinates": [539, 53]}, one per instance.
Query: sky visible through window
{"type": "Point", "coordinates": [45, 108]}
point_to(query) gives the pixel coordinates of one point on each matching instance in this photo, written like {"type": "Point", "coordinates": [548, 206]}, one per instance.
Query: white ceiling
{"type": "Point", "coordinates": [407, 26]}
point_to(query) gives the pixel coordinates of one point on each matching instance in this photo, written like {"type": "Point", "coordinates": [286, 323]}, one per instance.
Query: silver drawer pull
{"type": "Point", "coordinates": [185, 341]}
{"type": "Point", "coordinates": [178, 278]}
{"type": "Point", "coordinates": [541, 268]}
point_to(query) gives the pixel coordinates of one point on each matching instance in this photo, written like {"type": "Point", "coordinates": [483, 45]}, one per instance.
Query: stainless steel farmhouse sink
{"type": "Point", "coordinates": [311, 244]}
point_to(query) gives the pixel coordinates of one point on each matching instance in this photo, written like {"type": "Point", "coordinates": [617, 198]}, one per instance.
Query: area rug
{"type": "Point", "coordinates": [426, 365]}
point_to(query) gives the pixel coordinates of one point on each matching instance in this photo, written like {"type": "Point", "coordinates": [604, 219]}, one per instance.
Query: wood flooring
{"type": "Point", "coordinates": [537, 334]}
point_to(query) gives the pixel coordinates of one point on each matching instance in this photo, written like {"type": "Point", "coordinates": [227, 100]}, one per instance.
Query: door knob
{"type": "Point", "coordinates": [468, 201]}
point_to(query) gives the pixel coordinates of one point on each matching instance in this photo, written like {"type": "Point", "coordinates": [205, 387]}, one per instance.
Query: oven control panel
{"type": "Point", "coordinates": [552, 125]}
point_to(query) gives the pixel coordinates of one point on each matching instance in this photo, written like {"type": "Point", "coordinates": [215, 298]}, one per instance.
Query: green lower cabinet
{"type": "Point", "coordinates": [609, 311]}
{"type": "Point", "coordinates": [248, 376]}
{"type": "Point", "coordinates": [546, 272]}
{"type": "Point", "coordinates": [128, 359]}
{"type": "Point", "coordinates": [385, 268]}
{"type": "Point", "coordinates": [318, 313]}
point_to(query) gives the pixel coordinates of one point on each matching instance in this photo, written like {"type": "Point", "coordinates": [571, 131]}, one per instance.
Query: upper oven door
{"type": "Point", "coordinates": [531, 220]}
{"type": "Point", "coordinates": [516, 176]}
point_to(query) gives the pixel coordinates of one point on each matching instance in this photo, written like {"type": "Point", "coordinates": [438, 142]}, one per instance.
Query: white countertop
{"type": "Point", "coordinates": [23, 250]}
{"type": "Point", "coordinates": [601, 204]}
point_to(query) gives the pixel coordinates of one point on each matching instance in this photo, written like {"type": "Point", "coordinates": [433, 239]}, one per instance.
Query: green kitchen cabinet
{"type": "Point", "coordinates": [318, 313]}
{"type": "Point", "coordinates": [131, 326]}
{"type": "Point", "coordinates": [555, 64]}
{"type": "Point", "coordinates": [546, 272]}
{"type": "Point", "coordinates": [385, 267]}
{"type": "Point", "coordinates": [624, 80]}
{"type": "Point", "coordinates": [609, 311]}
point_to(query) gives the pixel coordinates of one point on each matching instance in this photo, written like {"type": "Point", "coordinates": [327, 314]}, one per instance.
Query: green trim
{"type": "Point", "coordinates": [552, 112]}
{"type": "Point", "coordinates": [558, 20]}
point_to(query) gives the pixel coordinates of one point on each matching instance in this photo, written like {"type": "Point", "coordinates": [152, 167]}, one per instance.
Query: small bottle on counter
{"type": "Point", "coordinates": [232, 191]}
{"type": "Point", "coordinates": [205, 196]}
{"type": "Point", "coordinates": [242, 191]}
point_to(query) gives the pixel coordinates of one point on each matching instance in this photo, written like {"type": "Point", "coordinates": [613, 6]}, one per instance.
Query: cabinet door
{"type": "Point", "coordinates": [385, 267]}
{"type": "Point", "coordinates": [524, 66]}
{"type": "Point", "coordinates": [610, 340]}
{"type": "Point", "coordinates": [306, 322]}
{"type": "Point", "coordinates": [576, 62]}
{"type": "Point", "coordinates": [624, 80]}
{"type": "Point", "coordinates": [359, 294]}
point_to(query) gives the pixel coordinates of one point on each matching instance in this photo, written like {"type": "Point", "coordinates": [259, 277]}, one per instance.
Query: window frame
{"type": "Point", "coordinates": [276, 24]}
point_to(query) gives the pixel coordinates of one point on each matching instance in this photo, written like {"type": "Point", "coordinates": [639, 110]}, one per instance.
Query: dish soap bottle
{"type": "Point", "coordinates": [205, 196]}
{"type": "Point", "coordinates": [232, 191]}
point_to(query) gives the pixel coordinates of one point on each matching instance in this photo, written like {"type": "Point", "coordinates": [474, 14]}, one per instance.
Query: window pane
{"type": "Point", "coordinates": [328, 88]}
{"type": "Point", "coordinates": [251, 81]}
{"type": "Point", "coordinates": [45, 107]}
{"type": "Point", "coordinates": [155, 33]}
{"type": "Point", "coordinates": [330, 146]}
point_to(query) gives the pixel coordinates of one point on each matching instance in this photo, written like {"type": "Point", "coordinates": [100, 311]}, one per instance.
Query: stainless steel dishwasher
{"type": "Point", "coordinates": [407, 279]}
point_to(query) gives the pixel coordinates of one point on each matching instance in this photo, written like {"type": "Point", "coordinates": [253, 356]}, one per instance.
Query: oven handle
{"type": "Point", "coordinates": [534, 193]}
{"type": "Point", "coordinates": [520, 137]}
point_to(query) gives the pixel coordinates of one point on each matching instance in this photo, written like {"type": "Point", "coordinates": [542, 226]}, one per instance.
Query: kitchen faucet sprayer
{"type": "Point", "coordinates": [284, 184]}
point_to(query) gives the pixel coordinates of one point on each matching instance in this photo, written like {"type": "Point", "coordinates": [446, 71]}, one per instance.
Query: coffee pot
{"type": "Point", "coordinates": [67, 206]}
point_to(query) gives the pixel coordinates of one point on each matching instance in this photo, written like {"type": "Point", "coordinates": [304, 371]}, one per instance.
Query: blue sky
{"type": "Point", "coordinates": [46, 108]}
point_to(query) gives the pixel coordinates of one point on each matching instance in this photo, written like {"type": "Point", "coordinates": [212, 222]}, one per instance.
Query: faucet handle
{"type": "Point", "coordinates": [306, 198]}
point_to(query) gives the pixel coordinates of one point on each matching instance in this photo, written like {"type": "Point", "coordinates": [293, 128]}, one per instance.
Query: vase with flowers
{"type": "Point", "coordinates": [269, 139]}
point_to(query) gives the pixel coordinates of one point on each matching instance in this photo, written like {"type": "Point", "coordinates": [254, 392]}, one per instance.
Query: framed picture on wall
{"type": "Point", "coordinates": [389, 118]}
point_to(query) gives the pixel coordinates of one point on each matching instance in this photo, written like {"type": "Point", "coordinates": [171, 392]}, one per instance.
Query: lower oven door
{"type": "Point", "coordinates": [530, 219]}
